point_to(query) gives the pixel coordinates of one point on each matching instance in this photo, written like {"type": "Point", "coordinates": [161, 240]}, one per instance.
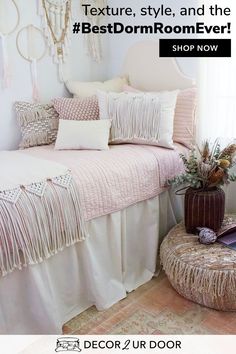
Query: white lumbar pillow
{"type": "Point", "coordinates": [86, 89]}
{"type": "Point", "coordinates": [83, 135]}
{"type": "Point", "coordinates": [140, 118]}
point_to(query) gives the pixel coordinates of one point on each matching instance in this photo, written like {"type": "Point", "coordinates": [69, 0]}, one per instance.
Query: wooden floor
{"type": "Point", "coordinates": [154, 308]}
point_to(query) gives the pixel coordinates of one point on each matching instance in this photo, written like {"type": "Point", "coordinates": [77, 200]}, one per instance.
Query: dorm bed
{"type": "Point", "coordinates": [127, 209]}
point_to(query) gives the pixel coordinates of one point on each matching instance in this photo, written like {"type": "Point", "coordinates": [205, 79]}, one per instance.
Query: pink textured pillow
{"type": "Point", "coordinates": [185, 117]}
{"type": "Point", "coordinates": [184, 120]}
{"type": "Point", "coordinates": [77, 108]}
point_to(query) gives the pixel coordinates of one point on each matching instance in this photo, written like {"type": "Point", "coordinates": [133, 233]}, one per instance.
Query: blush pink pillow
{"type": "Point", "coordinates": [184, 120]}
{"type": "Point", "coordinates": [185, 117]}
{"type": "Point", "coordinates": [77, 108]}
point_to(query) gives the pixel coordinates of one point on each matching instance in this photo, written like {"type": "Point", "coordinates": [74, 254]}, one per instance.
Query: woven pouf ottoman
{"type": "Point", "coordinates": [205, 274]}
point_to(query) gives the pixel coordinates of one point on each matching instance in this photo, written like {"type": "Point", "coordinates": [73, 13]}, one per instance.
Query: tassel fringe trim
{"type": "Point", "coordinates": [27, 117]}
{"type": "Point", "coordinates": [145, 129]}
{"type": "Point", "coordinates": [215, 283]}
{"type": "Point", "coordinates": [35, 139]}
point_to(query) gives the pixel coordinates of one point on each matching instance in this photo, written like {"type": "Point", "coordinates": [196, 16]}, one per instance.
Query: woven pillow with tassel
{"type": "Point", "coordinates": [38, 123]}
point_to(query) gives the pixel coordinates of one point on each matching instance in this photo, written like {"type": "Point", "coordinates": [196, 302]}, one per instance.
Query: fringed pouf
{"type": "Point", "coordinates": [203, 274]}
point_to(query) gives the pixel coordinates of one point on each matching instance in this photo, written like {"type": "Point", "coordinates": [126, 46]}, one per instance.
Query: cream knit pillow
{"type": "Point", "coordinates": [86, 89]}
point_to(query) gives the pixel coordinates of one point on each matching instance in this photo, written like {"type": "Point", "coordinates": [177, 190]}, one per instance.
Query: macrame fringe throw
{"type": "Point", "coordinates": [38, 221]}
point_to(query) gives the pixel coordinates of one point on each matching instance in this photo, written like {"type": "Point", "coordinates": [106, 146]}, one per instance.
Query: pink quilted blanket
{"type": "Point", "coordinates": [112, 180]}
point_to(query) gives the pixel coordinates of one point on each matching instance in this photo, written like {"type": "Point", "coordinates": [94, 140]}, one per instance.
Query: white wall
{"type": "Point", "coordinates": [118, 44]}
{"type": "Point", "coordinates": [79, 67]}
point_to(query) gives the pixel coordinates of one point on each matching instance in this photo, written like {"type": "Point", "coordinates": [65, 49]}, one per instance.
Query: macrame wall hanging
{"type": "Point", "coordinates": [8, 10]}
{"type": "Point", "coordinates": [93, 41]}
{"type": "Point", "coordinates": [31, 46]}
{"type": "Point", "coordinates": [56, 22]}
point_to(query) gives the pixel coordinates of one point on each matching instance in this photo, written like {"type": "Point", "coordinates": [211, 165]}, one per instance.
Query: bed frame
{"type": "Point", "coordinates": [40, 298]}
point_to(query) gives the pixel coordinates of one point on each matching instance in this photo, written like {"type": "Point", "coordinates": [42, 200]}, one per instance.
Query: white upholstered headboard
{"type": "Point", "coordinates": [147, 72]}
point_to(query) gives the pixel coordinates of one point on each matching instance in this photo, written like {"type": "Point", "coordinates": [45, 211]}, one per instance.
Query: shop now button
{"type": "Point", "coordinates": [195, 48]}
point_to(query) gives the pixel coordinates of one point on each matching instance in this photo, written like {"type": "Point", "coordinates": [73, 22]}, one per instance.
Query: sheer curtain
{"type": "Point", "coordinates": [217, 93]}
{"type": "Point", "coordinates": [217, 96]}
{"type": "Point", "coordinates": [217, 86]}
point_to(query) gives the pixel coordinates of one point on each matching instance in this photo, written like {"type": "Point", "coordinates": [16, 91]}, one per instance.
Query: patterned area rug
{"type": "Point", "coordinates": [154, 308]}
{"type": "Point", "coordinates": [166, 322]}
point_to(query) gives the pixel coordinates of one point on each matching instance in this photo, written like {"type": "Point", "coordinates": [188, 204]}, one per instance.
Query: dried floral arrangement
{"type": "Point", "coordinates": [207, 167]}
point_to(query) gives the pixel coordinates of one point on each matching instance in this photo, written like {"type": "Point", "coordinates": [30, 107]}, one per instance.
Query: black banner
{"type": "Point", "coordinates": [195, 48]}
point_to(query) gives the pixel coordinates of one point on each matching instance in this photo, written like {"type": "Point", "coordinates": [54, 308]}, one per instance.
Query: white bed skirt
{"type": "Point", "coordinates": [119, 256]}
